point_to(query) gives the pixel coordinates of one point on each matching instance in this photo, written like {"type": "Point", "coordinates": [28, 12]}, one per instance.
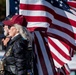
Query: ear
{"type": "Point", "coordinates": [17, 30]}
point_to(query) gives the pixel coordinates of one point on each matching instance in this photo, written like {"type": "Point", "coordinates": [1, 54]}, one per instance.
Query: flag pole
{"type": "Point", "coordinates": [7, 7]}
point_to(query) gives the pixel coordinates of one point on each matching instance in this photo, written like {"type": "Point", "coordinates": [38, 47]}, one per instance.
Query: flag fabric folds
{"type": "Point", "coordinates": [53, 26]}
{"type": "Point", "coordinates": [57, 20]}
{"type": "Point", "coordinates": [53, 18]}
{"type": "Point", "coordinates": [72, 5]}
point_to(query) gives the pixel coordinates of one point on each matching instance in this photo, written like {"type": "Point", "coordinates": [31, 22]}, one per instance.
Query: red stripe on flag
{"type": "Point", "coordinates": [65, 30]}
{"type": "Point", "coordinates": [36, 29]}
{"type": "Point", "coordinates": [72, 3]}
{"type": "Point", "coordinates": [59, 50]}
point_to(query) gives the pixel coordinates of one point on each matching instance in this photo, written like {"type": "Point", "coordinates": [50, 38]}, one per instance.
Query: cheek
{"type": "Point", "coordinates": [12, 32]}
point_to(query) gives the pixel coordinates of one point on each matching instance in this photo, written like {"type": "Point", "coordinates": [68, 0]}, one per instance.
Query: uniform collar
{"type": "Point", "coordinates": [15, 38]}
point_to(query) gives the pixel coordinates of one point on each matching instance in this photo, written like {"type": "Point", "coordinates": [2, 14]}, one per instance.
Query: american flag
{"type": "Point", "coordinates": [52, 24]}
{"type": "Point", "coordinates": [12, 7]}
{"type": "Point", "coordinates": [72, 5]}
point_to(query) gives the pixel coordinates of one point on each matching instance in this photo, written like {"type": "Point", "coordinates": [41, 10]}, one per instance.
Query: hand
{"type": "Point", "coordinates": [5, 41]}
{"type": "Point", "coordinates": [2, 72]}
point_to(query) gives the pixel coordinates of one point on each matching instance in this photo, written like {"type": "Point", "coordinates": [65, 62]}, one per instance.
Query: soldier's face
{"type": "Point", "coordinates": [12, 31]}
{"type": "Point", "coordinates": [6, 30]}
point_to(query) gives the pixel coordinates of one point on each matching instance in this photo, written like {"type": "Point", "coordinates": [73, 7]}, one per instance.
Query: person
{"type": "Point", "coordinates": [17, 59]}
{"type": "Point", "coordinates": [5, 38]}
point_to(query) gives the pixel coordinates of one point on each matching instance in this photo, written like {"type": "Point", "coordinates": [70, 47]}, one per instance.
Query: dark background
{"type": "Point", "coordinates": [2, 9]}
{"type": "Point", "coordinates": [2, 16]}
